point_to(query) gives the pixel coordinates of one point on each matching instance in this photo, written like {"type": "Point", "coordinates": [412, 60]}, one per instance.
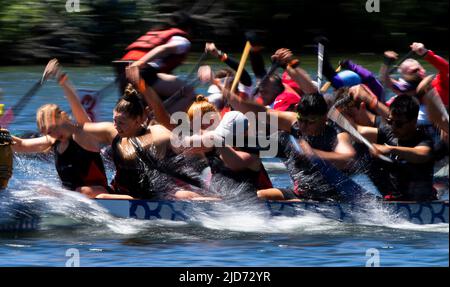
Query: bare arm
{"type": "Point", "coordinates": [40, 144]}
{"type": "Point", "coordinates": [370, 133]}
{"type": "Point", "coordinates": [53, 69]}
{"type": "Point", "coordinates": [389, 58]}
{"type": "Point", "coordinates": [103, 133]}
{"type": "Point", "coordinates": [238, 160]}
{"type": "Point", "coordinates": [157, 52]}
{"type": "Point", "coordinates": [342, 155]}
{"type": "Point", "coordinates": [150, 97]}
{"type": "Point", "coordinates": [418, 154]}
{"type": "Point", "coordinates": [300, 76]}
{"type": "Point", "coordinates": [363, 93]}
{"type": "Point", "coordinates": [285, 119]}
{"type": "Point", "coordinates": [77, 108]}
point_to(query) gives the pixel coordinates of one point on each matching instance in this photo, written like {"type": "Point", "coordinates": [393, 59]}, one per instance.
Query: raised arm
{"type": "Point", "coordinates": [438, 62]}
{"type": "Point", "coordinates": [53, 69]}
{"type": "Point", "coordinates": [232, 63]}
{"type": "Point", "coordinates": [389, 58]}
{"type": "Point", "coordinates": [150, 97]}
{"type": "Point", "coordinates": [161, 51]}
{"type": "Point", "coordinates": [300, 76]}
{"type": "Point", "coordinates": [285, 119]}
{"type": "Point", "coordinates": [363, 94]}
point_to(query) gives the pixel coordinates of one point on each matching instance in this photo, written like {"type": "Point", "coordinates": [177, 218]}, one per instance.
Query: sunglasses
{"type": "Point", "coordinates": [309, 119]}
{"type": "Point", "coordinates": [396, 123]}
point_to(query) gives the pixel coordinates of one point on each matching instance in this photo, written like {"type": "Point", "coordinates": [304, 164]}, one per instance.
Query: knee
{"type": "Point", "coordinates": [85, 190]}
{"type": "Point", "coordinates": [184, 194]}
{"type": "Point", "coordinates": [102, 196]}
{"type": "Point", "coordinates": [89, 191]}
{"type": "Point", "coordinates": [262, 194]}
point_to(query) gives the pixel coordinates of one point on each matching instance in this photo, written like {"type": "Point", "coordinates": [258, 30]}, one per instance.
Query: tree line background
{"type": "Point", "coordinates": [33, 31]}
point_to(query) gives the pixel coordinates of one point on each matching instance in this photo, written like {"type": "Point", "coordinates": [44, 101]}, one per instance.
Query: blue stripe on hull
{"type": "Point", "coordinates": [420, 213]}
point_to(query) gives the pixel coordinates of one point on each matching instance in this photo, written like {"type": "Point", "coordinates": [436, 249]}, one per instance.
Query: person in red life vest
{"type": "Point", "coordinates": [155, 55]}
{"type": "Point", "coordinates": [77, 166]}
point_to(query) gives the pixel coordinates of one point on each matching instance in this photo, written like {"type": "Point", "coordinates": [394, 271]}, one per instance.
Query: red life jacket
{"type": "Point", "coordinates": [151, 40]}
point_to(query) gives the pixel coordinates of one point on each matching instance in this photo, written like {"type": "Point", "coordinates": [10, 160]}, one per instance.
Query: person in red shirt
{"type": "Point", "coordinates": [412, 72]}
{"type": "Point", "coordinates": [289, 98]}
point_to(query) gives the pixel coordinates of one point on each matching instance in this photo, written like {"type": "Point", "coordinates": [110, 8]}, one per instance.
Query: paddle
{"type": "Point", "coordinates": [402, 59]}
{"type": "Point", "coordinates": [174, 97]}
{"type": "Point", "coordinates": [327, 85]}
{"type": "Point", "coordinates": [275, 65]}
{"type": "Point", "coordinates": [320, 52]}
{"type": "Point", "coordinates": [8, 116]}
{"type": "Point", "coordinates": [339, 119]}
{"type": "Point", "coordinates": [241, 66]}
{"type": "Point", "coordinates": [349, 189]}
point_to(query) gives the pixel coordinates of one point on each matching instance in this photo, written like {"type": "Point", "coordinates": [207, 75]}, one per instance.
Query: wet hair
{"type": "Point", "coordinates": [312, 104]}
{"type": "Point", "coordinates": [48, 114]}
{"type": "Point", "coordinates": [131, 103]}
{"type": "Point", "coordinates": [406, 106]}
{"type": "Point", "coordinates": [202, 105]}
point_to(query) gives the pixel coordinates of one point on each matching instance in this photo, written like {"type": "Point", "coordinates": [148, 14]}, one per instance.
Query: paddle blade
{"type": "Point", "coordinates": [341, 121]}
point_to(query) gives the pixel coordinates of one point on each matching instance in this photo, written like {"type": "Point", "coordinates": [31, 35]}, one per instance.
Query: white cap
{"type": "Point", "coordinates": [232, 123]}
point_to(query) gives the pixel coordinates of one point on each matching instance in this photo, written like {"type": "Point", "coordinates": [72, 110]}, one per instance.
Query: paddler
{"type": "Point", "coordinates": [310, 128]}
{"type": "Point", "coordinates": [147, 166]}
{"type": "Point", "coordinates": [411, 175]}
{"type": "Point", "coordinates": [232, 168]}
{"type": "Point", "coordinates": [77, 166]}
{"type": "Point", "coordinates": [412, 72]}
{"type": "Point", "coordinates": [156, 54]}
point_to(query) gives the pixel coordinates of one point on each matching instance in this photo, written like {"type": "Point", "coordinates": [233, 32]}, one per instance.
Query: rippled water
{"type": "Point", "coordinates": [236, 237]}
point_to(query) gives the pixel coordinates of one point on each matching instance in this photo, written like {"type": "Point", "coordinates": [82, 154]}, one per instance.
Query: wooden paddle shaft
{"type": "Point", "coordinates": [240, 69]}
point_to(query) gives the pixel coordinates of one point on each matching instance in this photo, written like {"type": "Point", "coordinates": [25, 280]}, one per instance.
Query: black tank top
{"type": "Point", "coordinates": [144, 175]}
{"type": "Point", "coordinates": [131, 176]}
{"type": "Point", "coordinates": [308, 181]}
{"type": "Point", "coordinates": [78, 167]}
{"type": "Point", "coordinates": [252, 180]}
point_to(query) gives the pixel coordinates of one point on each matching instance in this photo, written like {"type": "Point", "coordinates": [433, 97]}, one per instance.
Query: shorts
{"type": "Point", "coordinates": [288, 194]}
